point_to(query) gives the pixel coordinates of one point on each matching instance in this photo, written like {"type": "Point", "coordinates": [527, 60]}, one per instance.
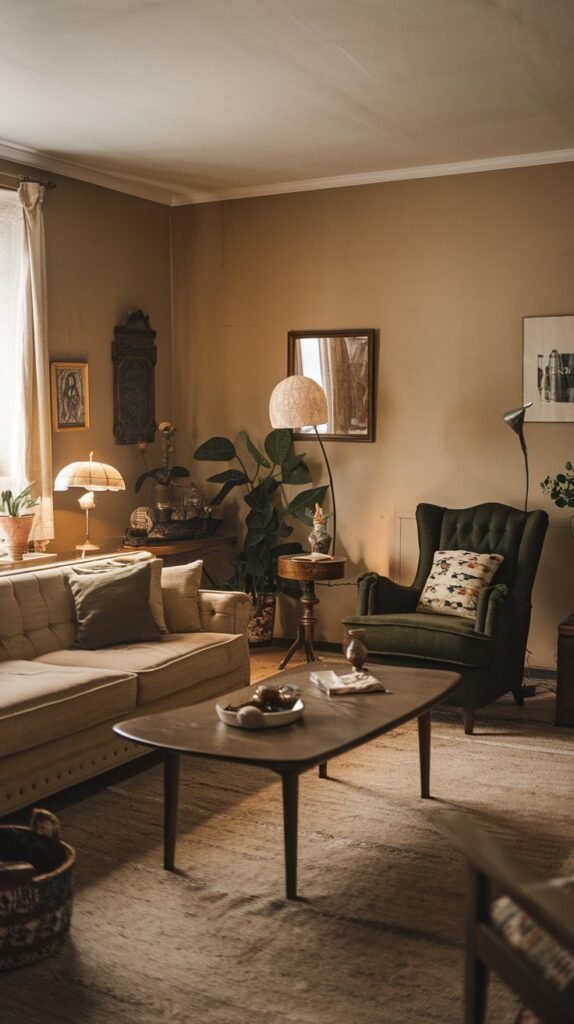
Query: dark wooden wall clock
{"type": "Point", "coordinates": [134, 355]}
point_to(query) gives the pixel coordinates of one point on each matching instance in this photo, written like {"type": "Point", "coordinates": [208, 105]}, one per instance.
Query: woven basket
{"type": "Point", "coordinates": [35, 890]}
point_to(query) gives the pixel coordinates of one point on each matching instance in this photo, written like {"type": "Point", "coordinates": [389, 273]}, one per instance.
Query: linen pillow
{"type": "Point", "coordinates": [455, 582]}
{"type": "Point", "coordinates": [112, 607]}
{"type": "Point", "coordinates": [553, 961]}
{"type": "Point", "coordinates": [124, 561]}
{"type": "Point", "coordinates": [180, 589]}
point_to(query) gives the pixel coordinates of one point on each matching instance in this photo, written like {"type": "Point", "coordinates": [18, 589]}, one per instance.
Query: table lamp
{"type": "Point", "coordinates": [298, 402]}
{"type": "Point", "coordinates": [515, 420]}
{"type": "Point", "coordinates": [93, 476]}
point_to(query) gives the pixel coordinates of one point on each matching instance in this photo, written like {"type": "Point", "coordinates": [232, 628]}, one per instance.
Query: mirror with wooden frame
{"type": "Point", "coordinates": [343, 363]}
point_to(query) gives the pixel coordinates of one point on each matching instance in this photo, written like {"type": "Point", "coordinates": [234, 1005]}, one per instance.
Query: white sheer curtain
{"type": "Point", "coordinates": [25, 441]}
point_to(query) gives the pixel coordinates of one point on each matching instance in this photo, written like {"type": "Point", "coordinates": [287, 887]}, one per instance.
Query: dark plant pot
{"type": "Point", "coordinates": [260, 629]}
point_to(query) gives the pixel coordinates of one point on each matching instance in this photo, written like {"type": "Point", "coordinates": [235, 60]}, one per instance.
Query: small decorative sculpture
{"type": "Point", "coordinates": [356, 651]}
{"type": "Point", "coordinates": [319, 539]}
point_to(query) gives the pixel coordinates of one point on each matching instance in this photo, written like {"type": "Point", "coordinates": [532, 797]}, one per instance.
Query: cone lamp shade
{"type": "Point", "coordinates": [300, 402]}
{"type": "Point", "coordinates": [515, 420]}
{"type": "Point", "coordinates": [92, 476]}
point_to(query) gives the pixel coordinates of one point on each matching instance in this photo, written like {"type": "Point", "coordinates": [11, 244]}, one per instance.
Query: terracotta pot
{"type": "Point", "coordinates": [16, 531]}
{"type": "Point", "coordinates": [260, 629]}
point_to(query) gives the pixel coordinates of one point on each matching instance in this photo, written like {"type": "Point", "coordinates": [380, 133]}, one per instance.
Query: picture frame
{"type": "Point", "coordinates": [342, 361]}
{"type": "Point", "coordinates": [70, 396]}
{"type": "Point", "coordinates": [548, 368]}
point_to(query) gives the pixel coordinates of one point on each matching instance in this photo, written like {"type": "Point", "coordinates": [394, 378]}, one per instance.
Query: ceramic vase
{"type": "Point", "coordinates": [319, 539]}
{"type": "Point", "coordinates": [356, 650]}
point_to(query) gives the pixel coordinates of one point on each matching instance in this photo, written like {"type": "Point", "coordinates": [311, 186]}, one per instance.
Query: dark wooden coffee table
{"type": "Point", "coordinates": [329, 727]}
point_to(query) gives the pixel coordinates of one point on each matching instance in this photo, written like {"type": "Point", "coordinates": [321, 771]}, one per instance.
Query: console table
{"type": "Point", "coordinates": [173, 553]}
{"type": "Point", "coordinates": [308, 572]}
{"type": "Point", "coordinates": [178, 552]}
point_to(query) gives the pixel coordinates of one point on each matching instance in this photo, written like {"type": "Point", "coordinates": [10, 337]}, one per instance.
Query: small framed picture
{"type": "Point", "coordinates": [548, 368]}
{"type": "Point", "coordinates": [70, 396]}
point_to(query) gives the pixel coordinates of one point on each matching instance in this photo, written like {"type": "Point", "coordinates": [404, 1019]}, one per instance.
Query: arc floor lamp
{"type": "Point", "coordinates": [298, 402]}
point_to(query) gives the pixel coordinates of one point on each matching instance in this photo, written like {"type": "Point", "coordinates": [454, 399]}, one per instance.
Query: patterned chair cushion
{"type": "Point", "coordinates": [545, 954]}
{"type": "Point", "coordinates": [455, 582]}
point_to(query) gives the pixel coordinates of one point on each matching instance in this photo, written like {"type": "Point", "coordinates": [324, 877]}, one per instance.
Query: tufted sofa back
{"type": "Point", "coordinates": [487, 528]}
{"type": "Point", "coordinates": [36, 614]}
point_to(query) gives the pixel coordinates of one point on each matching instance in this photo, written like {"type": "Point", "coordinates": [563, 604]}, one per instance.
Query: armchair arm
{"type": "Point", "coordinates": [550, 904]}
{"type": "Point", "coordinates": [224, 611]}
{"type": "Point", "coordinates": [490, 601]}
{"type": "Point", "coordinates": [378, 594]}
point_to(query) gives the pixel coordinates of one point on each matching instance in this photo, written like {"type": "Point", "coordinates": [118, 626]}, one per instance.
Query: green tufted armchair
{"type": "Point", "coordinates": [488, 652]}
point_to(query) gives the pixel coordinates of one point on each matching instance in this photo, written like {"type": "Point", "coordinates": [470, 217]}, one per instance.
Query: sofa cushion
{"type": "Point", "coordinates": [112, 607]}
{"type": "Point", "coordinates": [176, 662]}
{"type": "Point", "coordinates": [40, 703]}
{"type": "Point", "coordinates": [118, 562]}
{"type": "Point", "coordinates": [180, 589]}
{"type": "Point", "coordinates": [444, 638]}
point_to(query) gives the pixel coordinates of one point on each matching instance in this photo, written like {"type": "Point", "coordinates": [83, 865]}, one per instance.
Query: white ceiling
{"type": "Point", "coordinates": [194, 100]}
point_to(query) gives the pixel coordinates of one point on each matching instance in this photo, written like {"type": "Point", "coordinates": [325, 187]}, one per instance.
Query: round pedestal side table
{"type": "Point", "coordinates": [308, 571]}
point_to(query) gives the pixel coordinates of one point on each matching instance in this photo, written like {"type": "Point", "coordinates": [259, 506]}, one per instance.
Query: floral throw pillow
{"type": "Point", "coordinates": [455, 582]}
{"type": "Point", "coordinates": [545, 954]}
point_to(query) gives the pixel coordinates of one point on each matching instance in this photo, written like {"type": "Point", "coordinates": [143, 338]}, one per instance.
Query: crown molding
{"type": "Point", "coordinates": [143, 188]}
{"type": "Point", "coordinates": [496, 163]}
{"type": "Point", "coordinates": [162, 192]}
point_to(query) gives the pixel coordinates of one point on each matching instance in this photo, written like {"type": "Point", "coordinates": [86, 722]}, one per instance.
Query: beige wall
{"type": "Point", "coordinates": [445, 269]}
{"type": "Point", "coordinates": [107, 253]}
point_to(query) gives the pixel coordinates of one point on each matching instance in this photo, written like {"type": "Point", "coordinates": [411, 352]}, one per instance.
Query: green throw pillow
{"type": "Point", "coordinates": [113, 608]}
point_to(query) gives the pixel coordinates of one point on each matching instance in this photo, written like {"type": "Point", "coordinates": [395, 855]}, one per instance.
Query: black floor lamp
{"type": "Point", "coordinates": [515, 420]}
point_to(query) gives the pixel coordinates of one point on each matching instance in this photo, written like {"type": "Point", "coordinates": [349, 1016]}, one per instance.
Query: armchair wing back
{"type": "Point", "coordinates": [489, 651]}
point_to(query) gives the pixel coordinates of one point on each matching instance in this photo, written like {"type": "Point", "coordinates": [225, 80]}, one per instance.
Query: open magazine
{"type": "Point", "coordinates": [353, 682]}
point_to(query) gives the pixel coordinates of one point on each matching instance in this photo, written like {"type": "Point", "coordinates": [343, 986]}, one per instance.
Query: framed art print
{"type": "Point", "coordinates": [70, 396]}
{"type": "Point", "coordinates": [548, 368]}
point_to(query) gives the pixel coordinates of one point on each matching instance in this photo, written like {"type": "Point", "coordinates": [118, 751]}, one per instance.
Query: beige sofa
{"type": "Point", "coordinates": [58, 704]}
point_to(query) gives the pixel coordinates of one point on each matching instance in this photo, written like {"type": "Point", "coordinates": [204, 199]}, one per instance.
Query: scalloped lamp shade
{"type": "Point", "coordinates": [298, 402]}
{"type": "Point", "coordinates": [93, 476]}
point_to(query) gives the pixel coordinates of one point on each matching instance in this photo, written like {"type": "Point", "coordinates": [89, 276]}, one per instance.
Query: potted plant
{"type": "Point", "coordinates": [560, 489]}
{"type": "Point", "coordinates": [267, 515]}
{"type": "Point", "coordinates": [16, 521]}
{"type": "Point", "coordinates": [164, 475]}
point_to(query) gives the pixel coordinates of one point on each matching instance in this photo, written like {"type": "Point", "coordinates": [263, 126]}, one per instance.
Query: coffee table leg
{"type": "Point", "coordinates": [290, 805]}
{"type": "Point", "coordinates": [323, 770]}
{"type": "Point", "coordinates": [170, 800]}
{"type": "Point", "coordinates": [424, 722]}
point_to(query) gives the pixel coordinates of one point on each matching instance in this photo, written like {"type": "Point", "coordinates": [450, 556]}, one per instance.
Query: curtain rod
{"type": "Point", "coordinates": [25, 177]}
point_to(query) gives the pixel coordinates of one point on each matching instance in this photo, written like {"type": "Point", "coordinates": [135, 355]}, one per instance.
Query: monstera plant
{"type": "Point", "coordinates": [266, 478]}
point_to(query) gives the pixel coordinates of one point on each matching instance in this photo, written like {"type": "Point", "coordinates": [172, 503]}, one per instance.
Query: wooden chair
{"type": "Point", "coordinates": [548, 904]}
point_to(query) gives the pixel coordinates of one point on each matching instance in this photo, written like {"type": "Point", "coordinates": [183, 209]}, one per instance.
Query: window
{"type": "Point", "coordinates": [11, 356]}
{"type": "Point", "coordinates": [25, 435]}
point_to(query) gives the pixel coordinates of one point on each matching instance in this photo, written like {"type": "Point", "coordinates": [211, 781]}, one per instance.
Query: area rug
{"type": "Point", "coordinates": [377, 936]}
